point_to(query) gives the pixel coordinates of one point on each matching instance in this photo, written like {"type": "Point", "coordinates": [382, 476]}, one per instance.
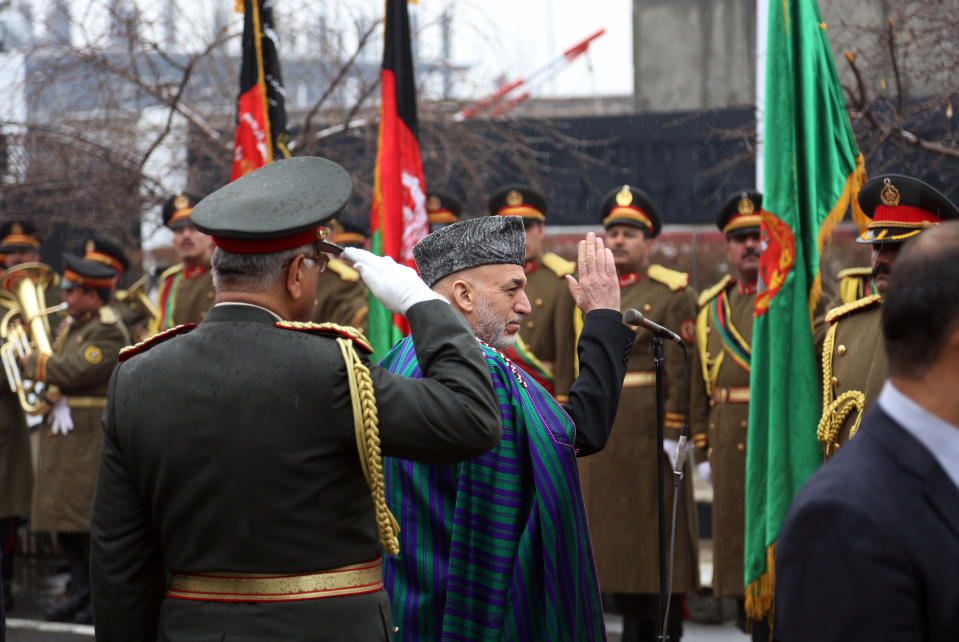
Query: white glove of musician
{"type": "Point", "coordinates": [669, 447]}
{"type": "Point", "coordinates": [61, 421]}
{"type": "Point", "coordinates": [705, 471]}
{"type": "Point", "coordinates": [396, 286]}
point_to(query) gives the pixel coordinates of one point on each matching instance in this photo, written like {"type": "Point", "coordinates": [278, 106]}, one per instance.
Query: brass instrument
{"type": "Point", "coordinates": [137, 292]}
{"type": "Point", "coordinates": [25, 329]}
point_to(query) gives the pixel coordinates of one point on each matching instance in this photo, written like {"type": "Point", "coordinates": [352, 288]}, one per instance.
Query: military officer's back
{"type": "Point", "coordinates": [230, 449]}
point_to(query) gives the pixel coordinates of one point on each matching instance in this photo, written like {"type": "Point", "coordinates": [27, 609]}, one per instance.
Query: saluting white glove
{"type": "Point", "coordinates": [705, 471]}
{"type": "Point", "coordinates": [61, 421]}
{"type": "Point", "coordinates": [669, 447]}
{"type": "Point", "coordinates": [396, 286]}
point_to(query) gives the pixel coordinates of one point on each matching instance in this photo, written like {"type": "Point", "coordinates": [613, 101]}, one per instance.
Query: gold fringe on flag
{"type": "Point", "coordinates": [760, 592]}
{"type": "Point", "coordinates": [847, 199]}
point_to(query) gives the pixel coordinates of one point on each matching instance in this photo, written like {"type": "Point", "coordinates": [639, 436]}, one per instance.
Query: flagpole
{"type": "Point", "coordinates": [762, 24]}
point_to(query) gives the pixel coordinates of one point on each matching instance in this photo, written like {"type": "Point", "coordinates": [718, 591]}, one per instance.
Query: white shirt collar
{"type": "Point", "coordinates": [939, 437]}
{"type": "Point", "coordinates": [251, 305]}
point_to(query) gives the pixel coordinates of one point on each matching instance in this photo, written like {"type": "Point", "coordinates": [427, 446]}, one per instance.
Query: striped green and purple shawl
{"type": "Point", "coordinates": [495, 548]}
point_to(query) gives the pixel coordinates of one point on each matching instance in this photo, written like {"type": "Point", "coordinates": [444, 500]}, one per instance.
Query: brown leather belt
{"type": "Point", "coordinates": [354, 579]}
{"type": "Point", "coordinates": [731, 394]}
{"type": "Point", "coordinates": [635, 379]}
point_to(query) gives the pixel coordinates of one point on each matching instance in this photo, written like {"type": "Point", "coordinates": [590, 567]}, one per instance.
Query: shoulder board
{"type": "Point", "coordinates": [171, 271]}
{"type": "Point", "coordinates": [558, 264]}
{"type": "Point", "coordinates": [672, 279]}
{"type": "Point", "coordinates": [329, 328]}
{"type": "Point", "coordinates": [856, 272]}
{"type": "Point", "coordinates": [858, 304]}
{"type": "Point", "coordinates": [342, 270]}
{"type": "Point", "coordinates": [711, 293]}
{"type": "Point", "coordinates": [107, 315]}
{"type": "Point", "coordinates": [156, 339]}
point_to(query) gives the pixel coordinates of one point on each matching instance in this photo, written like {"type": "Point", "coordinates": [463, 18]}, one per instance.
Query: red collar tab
{"type": "Point", "coordinates": [746, 288]}
{"type": "Point", "coordinates": [629, 278]}
{"type": "Point", "coordinates": [530, 267]}
{"type": "Point", "coordinates": [195, 271]}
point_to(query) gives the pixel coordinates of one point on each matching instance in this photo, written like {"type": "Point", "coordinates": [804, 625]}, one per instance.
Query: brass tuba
{"type": "Point", "coordinates": [137, 294]}
{"type": "Point", "coordinates": [24, 329]}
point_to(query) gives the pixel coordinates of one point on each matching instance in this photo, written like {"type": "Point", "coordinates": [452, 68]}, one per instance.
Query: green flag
{"type": "Point", "coordinates": [813, 170]}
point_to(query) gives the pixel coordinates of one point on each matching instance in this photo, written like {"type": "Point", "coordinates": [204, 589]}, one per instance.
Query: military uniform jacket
{"type": "Point", "coordinates": [853, 365]}
{"type": "Point", "coordinates": [246, 461]}
{"type": "Point", "coordinates": [724, 330]}
{"type": "Point", "coordinates": [547, 333]}
{"type": "Point", "coordinates": [341, 297]}
{"type": "Point", "coordinates": [16, 471]}
{"type": "Point", "coordinates": [84, 353]}
{"type": "Point", "coordinates": [619, 483]}
{"type": "Point", "coordinates": [185, 296]}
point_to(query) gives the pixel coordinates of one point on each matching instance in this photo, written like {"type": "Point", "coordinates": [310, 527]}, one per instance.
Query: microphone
{"type": "Point", "coordinates": [633, 316]}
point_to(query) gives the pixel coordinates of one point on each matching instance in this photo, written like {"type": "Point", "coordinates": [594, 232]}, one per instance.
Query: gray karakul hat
{"type": "Point", "coordinates": [277, 207]}
{"type": "Point", "coordinates": [486, 240]}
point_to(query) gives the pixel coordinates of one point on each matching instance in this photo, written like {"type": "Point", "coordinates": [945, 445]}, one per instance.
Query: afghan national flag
{"type": "Point", "coordinates": [813, 171]}
{"type": "Point", "coordinates": [261, 111]}
{"type": "Point", "coordinates": [398, 215]}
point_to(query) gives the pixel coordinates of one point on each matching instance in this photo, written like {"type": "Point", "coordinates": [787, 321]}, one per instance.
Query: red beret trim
{"type": "Point", "coordinates": [88, 281]}
{"type": "Point", "coordinates": [106, 259]}
{"type": "Point", "coordinates": [902, 214]}
{"type": "Point", "coordinates": [262, 246]}
{"type": "Point", "coordinates": [158, 338]}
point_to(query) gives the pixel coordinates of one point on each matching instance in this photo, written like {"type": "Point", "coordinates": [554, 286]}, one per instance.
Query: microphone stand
{"type": "Point", "coordinates": [659, 359]}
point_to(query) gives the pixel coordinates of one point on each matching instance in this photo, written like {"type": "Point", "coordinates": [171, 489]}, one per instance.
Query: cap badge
{"type": "Point", "coordinates": [433, 203]}
{"type": "Point", "coordinates": [322, 233]}
{"type": "Point", "coordinates": [889, 194]}
{"type": "Point", "coordinates": [180, 201]}
{"type": "Point", "coordinates": [746, 206]}
{"type": "Point", "coordinates": [514, 198]}
{"type": "Point", "coordinates": [16, 228]}
{"type": "Point", "coordinates": [624, 196]}
{"type": "Point", "coordinates": [90, 246]}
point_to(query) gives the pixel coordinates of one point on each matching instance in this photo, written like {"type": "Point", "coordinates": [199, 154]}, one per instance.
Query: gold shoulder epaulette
{"type": "Point", "coordinates": [558, 264]}
{"type": "Point", "coordinates": [170, 271]}
{"type": "Point", "coordinates": [107, 315]}
{"type": "Point", "coordinates": [854, 271]}
{"type": "Point", "coordinates": [858, 304]}
{"type": "Point", "coordinates": [342, 270]}
{"type": "Point", "coordinates": [672, 279]}
{"type": "Point", "coordinates": [709, 294]}
{"type": "Point", "coordinates": [329, 328]}
{"type": "Point", "coordinates": [158, 338]}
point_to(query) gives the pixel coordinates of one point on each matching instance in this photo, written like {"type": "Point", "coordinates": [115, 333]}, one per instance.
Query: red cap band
{"type": "Point", "coordinates": [262, 246]}
{"type": "Point", "coordinates": [903, 214]}
{"type": "Point", "coordinates": [88, 281]}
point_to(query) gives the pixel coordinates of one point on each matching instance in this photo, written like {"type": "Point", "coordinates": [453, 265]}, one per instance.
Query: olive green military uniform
{"type": "Point", "coordinates": [134, 317]}
{"type": "Point", "coordinates": [724, 330]}
{"type": "Point", "coordinates": [853, 365]}
{"type": "Point", "coordinates": [185, 296]}
{"type": "Point", "coordinates": [547, 332]}
{"type": "Point", "coordinates": [619, 483]}
{"type": "Point", "coordinates": [341, 297]}
{"type": "Point", "coordinates": [85, 352]}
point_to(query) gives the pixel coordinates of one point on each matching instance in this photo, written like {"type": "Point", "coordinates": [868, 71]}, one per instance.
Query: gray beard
{"type": "Point", "coordinates": [490, 328]}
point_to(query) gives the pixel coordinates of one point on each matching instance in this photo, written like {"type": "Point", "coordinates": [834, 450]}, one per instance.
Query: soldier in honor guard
{"type": "Point", "coordinates": [341, 296]}
{"type": "Point", "coordinates": [724, 331]}
{"type": "Point", "coordinates": [442, 209]}
{"type": "Point", "coordinates": [232, 501]}
{"type": "Point", "coordinates": [85, 351]}
{"type": "Point", "coordinates": [546, 344]}
{"type": "Point", "coordinates": [186, 289]}
{"type": "Point", "coordinates": [19, 242]}
{"type": "Point", "coordinates": [849, 345]}
{"type": "Point", "coordinates": [619, 483]}
{"type": "Point", "coordinates": [133, 312]}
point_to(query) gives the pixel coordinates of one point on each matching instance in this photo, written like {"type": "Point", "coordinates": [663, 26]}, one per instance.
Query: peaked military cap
{"type": "Point", "coordinates": [518, 199]}
{"type": "Point", "coordinates": [18, 236]}
{"type": "Point", "coordinates": [108, 253]}
{"type": "Point", "coordinates": [741, 214]}
{"type": "Point", "coordinates": [277, 207]}
{"type": "Point", "coordinates": [486, 240]}
{"type": "Point", "coordinates": [348, 232]}
{"type": "Point", "coordinates": [177, 209]}
{"type": "Point", "coordinates": [900, 207]}
{"type": "Point", "coordinates": [442, 208]}
{"type": "Point", "coordinates": [628, 205]}
{"type": "Point", "coordinates": [89, 274]}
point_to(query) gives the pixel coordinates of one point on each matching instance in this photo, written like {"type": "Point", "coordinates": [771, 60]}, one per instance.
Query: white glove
{"type": "Point", "coordinates": [396, 286]}
{"type": "Point", "coordinates": [61, 421]}
{"type": "Point", "coordinates": [705, 471]}
{"type": "Point", "coordinates": [669, 447]}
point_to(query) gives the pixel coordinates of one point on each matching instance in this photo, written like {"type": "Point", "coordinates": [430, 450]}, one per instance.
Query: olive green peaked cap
{"type": "Point", "coordinates": [277, 207]}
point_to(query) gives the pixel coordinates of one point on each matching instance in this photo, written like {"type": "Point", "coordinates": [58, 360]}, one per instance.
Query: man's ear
{"type": "Point", "coordinates": [294, 277]}
{"type": "Point", "coordinates": [462, 296]}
